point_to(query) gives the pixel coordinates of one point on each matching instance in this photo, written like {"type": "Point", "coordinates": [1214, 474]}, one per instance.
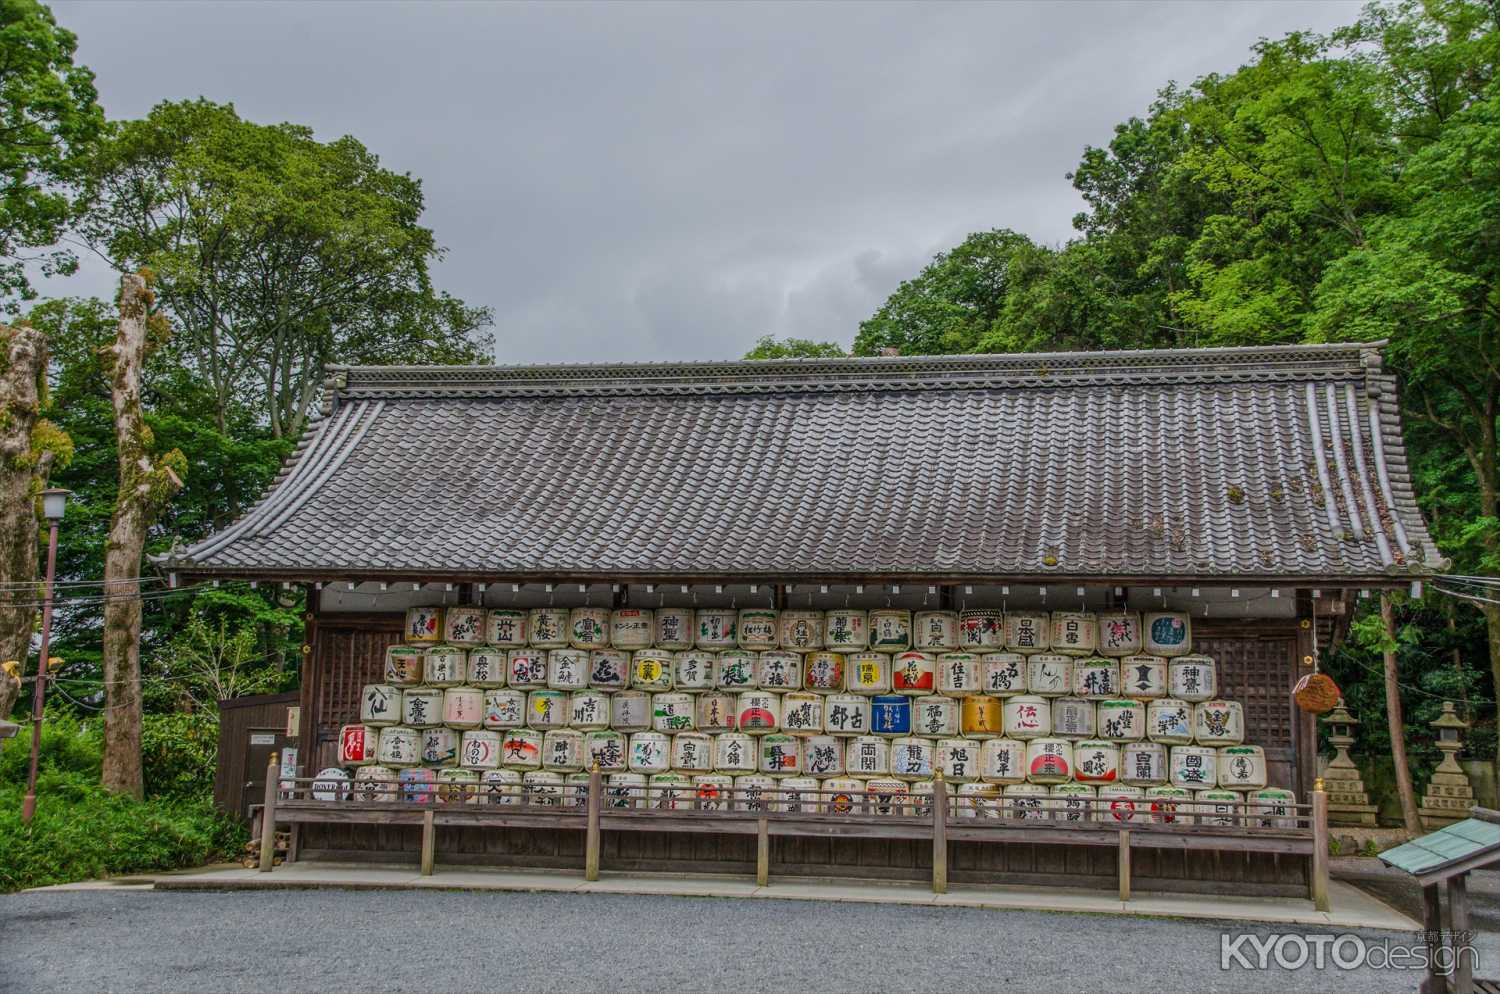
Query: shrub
{"type": "Point", "coordinates": [178, 755]}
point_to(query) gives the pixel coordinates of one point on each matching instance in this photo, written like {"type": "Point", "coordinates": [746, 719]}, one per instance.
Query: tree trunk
{"type": "Point", "coordinates": [146, 484]}
{"type": "Point", "coordinates": [1492, 626]}
{"type": "Point", "coordinates": [1397, 723]}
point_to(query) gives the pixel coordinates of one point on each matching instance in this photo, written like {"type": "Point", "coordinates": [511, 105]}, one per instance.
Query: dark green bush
{"type": "Point", "coordinates": [178, 755]}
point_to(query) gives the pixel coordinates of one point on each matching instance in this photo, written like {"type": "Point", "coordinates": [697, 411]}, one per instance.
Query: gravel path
{"type": "Point", "coordinates": [376, 941]}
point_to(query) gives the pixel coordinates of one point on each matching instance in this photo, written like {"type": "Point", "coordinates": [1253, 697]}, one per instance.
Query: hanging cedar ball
{"type": "Point", "coordinates": [1316, 693]}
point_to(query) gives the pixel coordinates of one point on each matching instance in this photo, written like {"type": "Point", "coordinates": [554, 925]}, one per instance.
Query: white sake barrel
{"type": "Point", "coordinates": [630, 711]}
{"type": "Point", "coordinates": [668, 791]}
{"type": "Point", "coordinates": [981, 631]}
{"type": "Point", "coordinates": [1218, 808]}
{"type": "Point", "coordinates": [1075, 633]}
{"type": "Point", "coordinates": [957, 674]}
{"type": "Point", "coordinates": [757, 628]}
{"type": "Point", "coordinates": [479, 749]}
{"type": "Point", "coordinates": [921, 798]}
{"type": "Point", "coordinates": [1027, 716]}
{"type": "Point", "coordinates": [422, 706]}
{"type": "Point", "coordinates": [487, 666]}
{"type": "Point", "coordinates": [673, 712]}
{"type": "Point", "coordinates": [934, 631]}
{"type": "Point", "coordinates": [823, 671]}
{"type": "Point", "coordinates": [374, 784]}
{"type": "Point", "coordinates": [936, 717]}
{"type": "Point", "coordinates": [1049, 674]}
{"type": "Point", "coordinates": [693, 752]}
{"type": "Point", "coordinates": [842, 795]}
{"type": "Point", "coordinates": [1167, 633]}
{"type": "Point", "coordinates": [716, 712]}
{"type": "Point", "coordinates": [890, 630]}
{"type": "Point", "coordinates": [1271, 808]}
{"type": "Point", "coordinates": [958, 759]}
{"type": "Point", "coordinates": [1028, 631]}
{"type": "Point", "coordinates": [1125, 803]}
{"type": "Point", "coordinates": [463, 707]}
{"type": "Point", "coordinates": [802, 713]}
{"type": "Point", "coordinates": [800, 631]}
{"type": "Point", "coordinates": [506, 627]}
{"type": "Point", "coordinates": [1219, 723]}
{"type": "Point", "coordinates": [444, 666]}
{"type": "Point", "coordinates": [547, 627]}
{"type": "Point", "coordinates": [631, 628]}
{"type": "Point", "coordinates": [1070, 801]}
{"type": "Point", "coordinates": [1027, 801]}
{"type": "Point", "coordinates": [736, 669]}
{"type": "Point", "coordinates": [868, 673]}
{"type": "Point", "coordinates": [609, 669]}
{"type": "Point", "coordinates": [1143, 677]}
{"type": "Point", "coordinates": [1122, 719]}
{"type": "Point", "coordinates": [464, 625]}
{"type": "Point", "coordinates": [380, 704]}
{"type": "Point", "coordinates": [424, 624]}
{"type": "Point", "coordinates": [521, 749]}
{"type": "Point", "coordinates": [1096, 761]}
{"type": "Point", "coordinates": [1074, 718]}
{"type": "Point", "coordinates": [676, 627]}
{"type": "Point", "coordinates": [758, 711]}
{"type": "Point", "coordinates": [755, 792]}
{"type": "Point", "coordinates": [799, 795]}
{"type": "Point", "coordinates": [978, 800]}
{"type": "Point", "coordinates": [1119, 633]}
{"type": "Point", "coordinates": [695, 669]}
{"type": "Point", "coordinates": [778, 669]}
{"type": "Point", "coordinates": [562, 749]}
{"type": "Point", "coordinates": [912, 758]}
{"type": "Point", "coordinates": [847, 714]}
{"type": "Point", "coordinates": [734, 752]}
{"type": "Point", "coordinates": [575, 790]}
{"type": "Point", "coordinates": [1049, 760]}
{"type": "Point", "coordinates": [458, 786]}
{"type": "Point", "coordinates": [439, 747]}
{"type": "Point", "coordinates": [403, 665]}
{"type": "Point", "coordinates": [867, 756]}
{"type": "Point", "coordinates": [823, 756]}
{"type": "Point", "coordinates": [418, 785]}
{"type": "Point", "coordinates": [526, 669]}
{"type": "Point", "coordinates": [650, 752]}
{"type": "Point", "coordinates": [711, 791]}
{"type": "Point", "coordinates": [1096, 678]}
{"type": "Point", "coordinates": [651, 670]}
{"type": "Point", "coordinates": [1143, 763]}
{"type": "Point", "coordinates": [500, 787]}
{"type": "Point", "coordinates": [780, 755]}
{"type": "Point", "coordinates": [547, 709]}
{"type": "Point", "coordinates": [588, 710]}
{"type": "Point", "coordinates": [1002, 673]}
{"type": "Point", "coordinates": [544, 788]}
{"type": "Point", "coordinates": [716, 628]}
{"type": "Point", "coordinates": [884, 796]}
{"type": "Point", "coordinates": [846, 629]}
{"type": "Point", "coordinates": [399, 746]}
{"type": "Point", "coordinates": [357, 744]}
{"type": "Point", "coordinates": [912, 672]}
{"type": "Point", "coordinates": [1242, 767]}
{"type": "Point", "coordinates": [567, 669]}
{"type": "Point", "coordinates": [607, 748]}
{"type": "Point", "coordinates": [504, 709]}
{"type": "Point", "coordinates": [1002, 761]}
{"type": "Point", "coordinates": [1169, 721]}
{"type": "Point", "coordinates": [1193, 678]}
{"type": "Point", "coordinates": [1195, 767]}
{"type": "Point", "coordinates": [1169, 805]}
{"type": "Point", "coordinates": [981, 717]}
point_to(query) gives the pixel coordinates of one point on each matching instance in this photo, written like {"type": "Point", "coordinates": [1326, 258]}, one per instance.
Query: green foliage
{"type": "Point", "coordinates": [179, 753]}
{"type": "Point", "coordinates": [767, 347]}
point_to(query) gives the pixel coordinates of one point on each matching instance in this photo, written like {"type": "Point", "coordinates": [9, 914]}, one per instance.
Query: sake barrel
{"type": "Point", "coordinates": [424, 624]}
{"type": "Point", "coordinates": [1027, 716]}
{"type": "Point", "coordinates": [479, 749]}
{"type": "Point", "coordinates": [422, 706]}
{"type": "Point", "coordinates": [403, 665]}
{"type": "Point", "coordinates": [890, 630]}
{"type": "Point", "coordinates": [547, 627]}
{"type": "Point", "coordinates": [605, 747]}
{"type": "Point", "coordinates": [958, 674]}
{"type": "Point", "coordinates": [1071, 801]}
{"type": "Point", "coordinates": [716, 628]}
{"type": "Point", "coordinates": [630, 711]}
{"type": "Point", "coordinates": [1169, 721]}
{"type": "Point", "coordinates": [958, 759]}
{"type": "Point", "coordinates": [375, 784]}
{"type": "Point", "coordinates": [759, 711]}
{"type": "Point", "coordinates": [651, 670]}
{"type": "Point", "coordinates": [1219, 723]}
{"type": "Point", "coordinates": [757, 628]}
{"type": "Point", "coordinates": [921, 798]}
{"type": "Point", "coordinates": [800, 631]}
{"type": "Point", "coordinates": [1242, 767]}
{"type": "Point", "coordinates": [1143, 763]}
{"type": "Point", "coordinates": [754, 792]}
{"type": "Point", "coordinates": [1195, 767]}
{"type": "Point", "coordinates": [823, 671]}
{"type": "Point", "coordinates": [463, 707]}
{"type": "Point", "coordinates": [487, 666]}
{"type": "Point", "coordinates": [1119, 633]}
{"type": "Point", "coordinates": [526, 669]}
{"type": "Point", "coordinates": [847, 714]}
{"type": "Point", "coordinates": [1075, 633]}
{"type": "Point", "coordinates": [1096, 761]}
{"type": "Point", "coordinates": [890, 714]}
{"type": "Point", "coordinates": [935, 631]}
{"type": "Point", "coordinates": [506, 627]}
{"type": "Point", "coordinates": [504, 709]}
{"type": "Point", "coordinates": [588, 710]}
{"type": "Point", "coordinates": [609, 669]}
{"type": "Point", "coordinates": [1027, 801]}
{"type": "Point", "coordinates": [799, 795]}
{"type": "Point", "coordinates": [357, 744]}
{"type": "Point", "coordinates": [716, 712]}
{"type": "Point", "coordinates": [521, 749]}
{"type": "Point", "coordinates": [736, 669]}
{"type": "Point", "coordinates": [981, 630]}
{"type": "Point", "coordinates": [650, 752]}
{"type": "Point", "coordinates": [1122, 719]}
{"type": "Point", "coordinates": [380, 704]}
{"type": "Point", "coordinates": [398, 746]}
{"type": "Point", "coordinates": [777, 669]}
{"type": "Point", "coordinates": [1049, 760]}
{"type": "Point", "coordinates": [734, 752]}
{"type": "Point", "coordinates": [912, 673]}
{"type": "Point", "coordinates": [1028, 631]}
{"type": "Point", "coordinates": [675, 628]}
{"type": "Point", "coordinates": [668, 791]}
{"type": "Point", "coordinates": [802, 713]}
{"type": "Point", "coordinates": [980, 717]}
{"type": "Point", "coordinates": [1169, 805]}
{"type": "Point", "coordinates": [867, 756]}
{"type": "Point", "coordinates": [543, 788]}
{"type": "Point", "coordinates": [1002, 673]}
{"type": "Point", "coordinates": [1143, 677]}
{"type": "Point", "coordinates": [547, 709]}
{"type": "Point", "coordinates": [567, 669]}
{"type": "Point", "coordinates": [1096, 678]}
{"type": "Point", "coordinates": [418, 785]}
{"type": "Point", "coordinates": [1193, 678]}
{"type": "Point", "coordinates": [692, 752]}
{"type": "Point", "coordinates": [1219, 808]}
{"type": "Point", "coordinates": [711, 791]}
{"type": "Point", "coordinates": [868, 673]}
{"type": "Point", "coordinates": [1074, 718]}
{"type": "Point", "coordinates": [464, 625]}
{"type": "Point", "coordinates": [500, 787]}
{"type": "Point", "coordinates": [823, 756]}
{"type": "Point", "coordinates": [673, 712]}
{"type": "Point", "coordinates": [884, 796]}
{"type": "Point", "coordinates": [443, 666]}
{"type": "Point", "coordinates": [562, 749]}
{"type": "Point", "coordinates": [846, 629]}
{"type": "Point", "coordinates": [912, 758]}
{"type": "Point", "coordinates": [1167, 633]}
{"type": "Point", "coordinates": [695, 669]}
{"type": "Point", "coordinates": [780, 754]}
{"type": "Point", "coordinates": [1273, 807]}
{"type": "Point", "coordinates": [937, 717]}
{"type": "Point", "coordinates": [978, 800]}
{"type": "Point", "coordinates": [841, 795]}
{"type": "Point", "coordinates": [631, 628]}
{"type": "Point", "coordinates": [1124, 803]}
{"type": "Point", "coordinates": [575, 792]}
{"type": "Point", "coordinates": [439, 746]}
{"type": "Point", "coordinates": [1049, 674]}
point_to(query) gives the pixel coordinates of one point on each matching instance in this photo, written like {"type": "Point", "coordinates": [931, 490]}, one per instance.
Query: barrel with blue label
{"type": "Point", "coordinates": [890, 715]}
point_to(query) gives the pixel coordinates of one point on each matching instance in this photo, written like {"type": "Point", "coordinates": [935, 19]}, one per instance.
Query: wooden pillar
{"type": "Point", "coordinates": [1124, 864]}
{"type": "Point", "coordinates": [1432, 925]}
{"type": "Point", "coordinates": [939, 834]}
{"type": "Point", "coordinates": [762, 852]}
{"type": "Point", "coordinates": [1458, 922]}
{"type": "Point", "coordinates": [591, 840]}
{"type": "Point", "coordinates": [429, 841]}
{"type": "Point", "coordinates": [1304, 723]}
{"type": "Point", "coordinates": [268, 816]}
{"type": "Point", "coordinates": [1317, 884]}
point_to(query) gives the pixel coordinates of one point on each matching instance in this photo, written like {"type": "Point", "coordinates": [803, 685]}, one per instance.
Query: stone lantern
{"type": "Point", "coordinates": [1348, 802]}
{"type": "Point", "coordinates": [1449, 796]}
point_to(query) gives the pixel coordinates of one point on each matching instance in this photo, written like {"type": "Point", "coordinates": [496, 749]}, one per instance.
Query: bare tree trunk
{"type": "Point", "coordinates": [146, 485]}
{"type": "Point", "coordinates": [1492, 627]}
{"type": "Point", "coordinates": [1397, 723]}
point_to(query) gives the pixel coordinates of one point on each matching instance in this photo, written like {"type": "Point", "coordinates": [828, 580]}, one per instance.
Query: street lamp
{"type": "Point", "coordinates": [54, 503]}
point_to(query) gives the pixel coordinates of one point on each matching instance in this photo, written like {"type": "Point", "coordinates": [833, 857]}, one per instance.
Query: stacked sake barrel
{"type": "Point", "coordinates": [1025, 714]}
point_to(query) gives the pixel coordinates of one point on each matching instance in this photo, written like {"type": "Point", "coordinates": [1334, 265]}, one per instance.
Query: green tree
{"type": "Point", "coordinates": [767, 347]}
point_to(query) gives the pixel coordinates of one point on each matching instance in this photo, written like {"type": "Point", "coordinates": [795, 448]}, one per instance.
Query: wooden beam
{"type": "Point", "coordinates": [939, 835]}
{"type": "Point", "coordinates": [429, 842]}
{"type": "Point", "coordinates": [1318, 877]}
{"type": "Point", "coordinates": [1432, 927]}
{"type": "Point", "coordinates": [591, 836]}
{"type": "Point", "coordinates": [268, 816]}
{"type": "Point", "coordinates": [1125, 865]}
{"type": "Point", "coordinates": [1459, 924]}
{"type": "Point", "coordinates": [762, 852]}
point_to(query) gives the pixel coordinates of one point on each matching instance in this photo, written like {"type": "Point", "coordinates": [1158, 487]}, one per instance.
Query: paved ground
{"type": "Point", "coordinates": [375, 941]}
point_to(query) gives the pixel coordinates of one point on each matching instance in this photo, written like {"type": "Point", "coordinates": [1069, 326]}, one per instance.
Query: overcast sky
{"type": "Point", "coordinates": [669, 181]}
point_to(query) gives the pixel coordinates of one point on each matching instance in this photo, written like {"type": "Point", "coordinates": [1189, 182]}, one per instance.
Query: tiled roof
{"type": "Point", "coordinates": [1281, 462]}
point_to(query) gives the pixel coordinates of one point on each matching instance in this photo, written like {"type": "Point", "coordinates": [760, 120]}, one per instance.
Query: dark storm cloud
{"type": "Point", "coordinates": [672, 181]}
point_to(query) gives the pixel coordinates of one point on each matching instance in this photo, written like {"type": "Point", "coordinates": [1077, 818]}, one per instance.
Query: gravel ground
{"type": "Point", "coordinates": [375, 941]}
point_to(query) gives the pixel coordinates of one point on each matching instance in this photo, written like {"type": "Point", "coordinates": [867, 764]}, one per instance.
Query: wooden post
{"type": "Point", "coordinates": [762, 852]}
{"type": "Point", "coordinates": [939, 834]}
{"type": "Point", "coordinates": [268, 816]}
{"type": "Point", "coordinates": [429, 841]}
{"type": "Point", "coordinates": [1432, 925]}
{"type": "Point", "coordinates": [1124, 864]}
{"type": "Point", "coordinates": [1318, 884]}
{"type": "Point", "coordinates": [1397, 725]}
{"type": "Point", "coordinates": [1458, 923]}
{"type": "Point", "coordinates": [591, 840]}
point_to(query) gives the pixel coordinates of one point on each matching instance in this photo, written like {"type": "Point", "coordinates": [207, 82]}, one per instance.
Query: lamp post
{"type": "Point", "coordinates": [54, 503]}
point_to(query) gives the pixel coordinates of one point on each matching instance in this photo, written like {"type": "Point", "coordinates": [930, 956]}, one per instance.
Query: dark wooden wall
{"type": "Point", "coordinates": [237, 717]}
